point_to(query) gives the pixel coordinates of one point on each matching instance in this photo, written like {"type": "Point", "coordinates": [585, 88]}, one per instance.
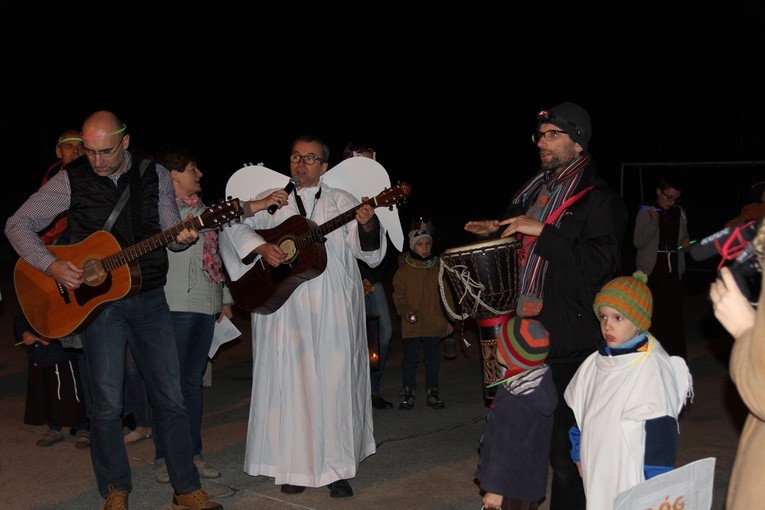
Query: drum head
{"type": "Point", "coordinates": [494, 243]}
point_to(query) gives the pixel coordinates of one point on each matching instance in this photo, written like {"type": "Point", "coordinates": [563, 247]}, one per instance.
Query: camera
{"type": "Point", "coordinates": [747, 271]}
{"type": "Point", "coordinates": [734, 243]}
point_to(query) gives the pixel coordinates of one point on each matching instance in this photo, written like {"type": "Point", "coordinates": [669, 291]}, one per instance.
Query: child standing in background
{"type": "Point", "coordinates": [417, 298]}
{"type": "Point", "coordinates": [55, 396]}
{"type": "Point", "coordinates": [626, 397]}
{"type": "Point", "coordinates": [515, 445]}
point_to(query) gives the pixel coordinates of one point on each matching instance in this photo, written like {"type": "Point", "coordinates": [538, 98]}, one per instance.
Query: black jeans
{"type": "Point", "coordinates": [567, 491]}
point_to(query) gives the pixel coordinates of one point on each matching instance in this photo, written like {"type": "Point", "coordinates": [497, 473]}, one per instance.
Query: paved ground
{"type": "Point", "coordinates": [425, 458]}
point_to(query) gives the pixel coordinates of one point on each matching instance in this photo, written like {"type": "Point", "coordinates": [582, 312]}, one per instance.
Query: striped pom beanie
{"type": "Point", "coordinates": [630, 296]}
{"type": "Point", "coordinates": [523, 343]}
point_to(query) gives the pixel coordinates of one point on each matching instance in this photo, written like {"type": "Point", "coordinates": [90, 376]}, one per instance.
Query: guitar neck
{"type": "Point", "coordinates": [318, 233]}
{"type": "Point", "coordinates": [152, 243]}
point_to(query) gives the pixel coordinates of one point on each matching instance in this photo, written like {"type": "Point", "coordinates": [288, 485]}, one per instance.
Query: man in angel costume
{"type": "Point", "coordinates": [310, 422]}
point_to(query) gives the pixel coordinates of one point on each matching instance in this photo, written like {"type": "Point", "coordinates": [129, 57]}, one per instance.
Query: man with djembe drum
{"type": "Point", "coordinates": [571, 225]}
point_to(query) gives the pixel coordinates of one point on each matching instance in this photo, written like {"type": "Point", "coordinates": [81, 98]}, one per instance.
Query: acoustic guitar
{"type": "Point", "coordinates": [264, 289]}
{"type": "Point", "coordinates": [109, 271]}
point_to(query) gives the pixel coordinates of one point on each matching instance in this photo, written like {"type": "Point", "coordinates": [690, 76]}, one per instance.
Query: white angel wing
{"type": "Point", "coordinates": [361, 177]}
{"type": "Point", "coordinates": [250, 180]}
{"type": "Point", "coordinates": [365, 177]}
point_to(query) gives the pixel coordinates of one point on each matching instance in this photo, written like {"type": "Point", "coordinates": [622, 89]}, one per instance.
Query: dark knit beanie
{"type": "Point", "coordinates": [571, 118]}
{"type": "Point", "coordinates": [523, 343]}
{"type": "Point", "coordinates": [630, 296]}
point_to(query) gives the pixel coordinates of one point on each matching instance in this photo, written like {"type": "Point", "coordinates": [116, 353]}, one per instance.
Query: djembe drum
{"type": "Point", "coordinates": [485, 280]}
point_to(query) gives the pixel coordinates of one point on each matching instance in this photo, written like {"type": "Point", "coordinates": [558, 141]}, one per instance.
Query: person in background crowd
{"type": "Point", "coordinates": [311, 412]}
{"type": "Point", "coordinates": [375, 297]}
{"type": "Point", "coordinates": [571, 224]}
{"type": "Point", "coordinates": [754, 208]}
{"type": "Point", "coordinates": [661, 239]}
{"type": "Point", "coordinates": [68, 149]}
{"type": "Point", "coordinates": [417, 299]}
{"type": "Point", "coordinates": [89, 191]}
{"type": "Point", "coordinates": [55, 394]}
{"type": "Point", "coordinates": [626, 397]}
{"type": "Point", "coordinates": [197, 297]}
{"type": "Point", "coordinates": [746, 324]}
{"type": "Point", "coordinates": [512, 472]}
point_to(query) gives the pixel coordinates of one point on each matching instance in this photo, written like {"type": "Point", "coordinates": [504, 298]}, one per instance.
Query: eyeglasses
{"type": "Point", "coordinates": [309, 159]}
{"type": "Point", "coordinates": [547, 135]}
{"type": "Point", "coordinates": [670, 198]}
{"type": "Point", "coordinates": [104, 153]}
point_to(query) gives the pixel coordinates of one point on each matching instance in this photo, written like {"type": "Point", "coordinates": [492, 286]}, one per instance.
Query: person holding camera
{"type": "Point", "coordinates": [746, 323]}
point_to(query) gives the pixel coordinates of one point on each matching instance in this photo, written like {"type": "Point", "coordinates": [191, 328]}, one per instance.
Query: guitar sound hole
{"type": "Point", "coordinates": [288, 247]}
{"type": "Point", "coordinates": [93, 273]}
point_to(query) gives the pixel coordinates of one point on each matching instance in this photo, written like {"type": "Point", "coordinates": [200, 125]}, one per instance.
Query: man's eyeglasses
{"type": "Point", "coordinates": [670, 198]}
{"type": "Point", "coordinates": [309, 159]}
{"type": "Point", "coordinates": [104, 153]}
{"type": "Point", "coordinates": [547, 135]}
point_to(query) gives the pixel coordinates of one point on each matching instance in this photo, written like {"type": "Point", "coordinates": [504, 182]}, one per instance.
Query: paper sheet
{"type": "Point", "coordinates": [689, 487]}
{"type": "Point", "coordinates": [225, 331]}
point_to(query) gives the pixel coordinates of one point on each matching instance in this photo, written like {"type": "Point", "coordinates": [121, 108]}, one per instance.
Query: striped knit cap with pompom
{"type": "Point", "coordinates": [630, 296]}
{"type": "Point", "coordinates": [522, 343]}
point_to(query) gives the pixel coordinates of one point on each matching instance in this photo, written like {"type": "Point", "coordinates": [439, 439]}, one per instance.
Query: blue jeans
{"type": "Point", "coordinates": [143, 322]}
{"type": "Point", "coordinates": [193, 337]}
{"type": "Point", "coordinates": [136, 401]}
{"type": "Point", "coordinates": [376, 303]}
{"type": "Point", "coordinates": [411, 360]}
{"type": "Point", "coordinates": [82, 365]}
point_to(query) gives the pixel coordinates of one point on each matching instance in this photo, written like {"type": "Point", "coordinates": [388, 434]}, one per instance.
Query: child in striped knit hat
{"type": "Point", "coordinates": [626, 397]}
{"type": "Point", "coordinates": [515, 444]}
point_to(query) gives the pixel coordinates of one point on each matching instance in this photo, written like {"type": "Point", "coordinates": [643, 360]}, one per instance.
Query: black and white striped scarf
{"type": "Point", "coordinates": [559, 189]}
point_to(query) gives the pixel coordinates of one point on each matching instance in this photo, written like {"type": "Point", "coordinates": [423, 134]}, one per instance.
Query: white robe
{"type": "Point", "coordinates": [612, 398]}
{"type": "Point", "coordinates": [310, 417]}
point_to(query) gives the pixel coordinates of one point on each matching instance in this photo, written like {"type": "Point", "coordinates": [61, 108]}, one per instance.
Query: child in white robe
{"type": "Point", "coordinates": [626, 397]}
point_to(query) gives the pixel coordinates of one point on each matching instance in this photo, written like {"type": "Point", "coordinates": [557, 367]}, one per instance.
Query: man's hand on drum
{"type": "Point", "coordinates": [482, 227]}
{"type": "Point", "coordinates": [521, 224]}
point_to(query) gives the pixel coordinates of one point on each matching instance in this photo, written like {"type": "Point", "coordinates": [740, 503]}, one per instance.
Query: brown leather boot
{"type": "Point", "coordinates": [195, 500]}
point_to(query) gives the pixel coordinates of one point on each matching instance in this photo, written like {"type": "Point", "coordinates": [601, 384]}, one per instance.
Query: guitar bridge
{"type": "Point", "coordinates": [64, 293]}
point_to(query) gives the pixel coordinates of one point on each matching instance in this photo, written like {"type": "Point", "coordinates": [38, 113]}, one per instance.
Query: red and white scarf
{"type": "Point", "coordinates": [558, 189]}
{"type": "Point", "coordinates": [211, 261]}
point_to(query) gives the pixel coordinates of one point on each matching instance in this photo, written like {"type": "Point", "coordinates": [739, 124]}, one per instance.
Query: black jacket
{"type": "Point", "coordinates": [583, 254]}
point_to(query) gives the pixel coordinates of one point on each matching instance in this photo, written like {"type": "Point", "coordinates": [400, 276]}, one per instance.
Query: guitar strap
{"type": "Point", "coordinates": [299, 201]}
{"type": "Point", "coordinates": [123, 200]}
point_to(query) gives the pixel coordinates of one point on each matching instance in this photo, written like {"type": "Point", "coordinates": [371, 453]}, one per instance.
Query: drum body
{"type": "Point", "coordinates": [485, 277]}
{"type": "Point", "coordinates": [485, 280]}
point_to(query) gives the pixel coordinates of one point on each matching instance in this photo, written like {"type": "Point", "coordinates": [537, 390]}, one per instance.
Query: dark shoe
{"type": "Point", "coordinates": [340, 489]}
{"type": "Point", "coordinates": [82, 439]}
{"type": "Point", "coordinates": [380, 403]}
{"type": "Point", "coordinates": [408, 403]}
{"type": "Point", "coordinates": [433, 400]}
{"type": "Point", "coordinates": [195, 500]}
{"type": "Point", "coordinates": [292, 489]}
{"type": "Point", "coordinates": [50, 437]}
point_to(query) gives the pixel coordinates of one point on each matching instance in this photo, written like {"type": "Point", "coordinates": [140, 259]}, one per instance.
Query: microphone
{"type": "Point", "coordinates": [294, 181]}
{"type": "Point", "coordinates": [710, 246]}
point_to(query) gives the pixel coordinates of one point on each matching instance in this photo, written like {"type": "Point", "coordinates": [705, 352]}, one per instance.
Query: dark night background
{"type": "Point", "coordinates": [447, 97]}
